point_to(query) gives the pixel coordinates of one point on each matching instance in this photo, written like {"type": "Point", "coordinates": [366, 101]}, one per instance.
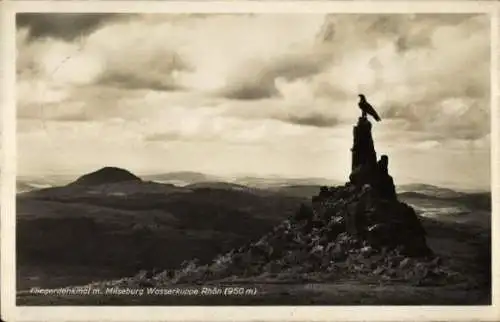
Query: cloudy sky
{"type": "Point", "coordinates": [253, 94]}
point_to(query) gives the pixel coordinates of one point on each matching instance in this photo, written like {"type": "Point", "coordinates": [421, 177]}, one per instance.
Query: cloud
{"type": "Point", "coordinates": [209, 125]}
{"type": "Point", "coordinates": [313, 120]}
{"type": "Point", "coordinates": [479, 144]}
{"type": "Point", "coordinates": [430, 84]}
{"type": "Point", "coordinates": [257, 79]}
{"type": "Point", "coordinates": [156, 80]}
{"type": "Point", "coordinates": [242, 56]}
{"type": "Point", "coordinates": [65, 26]}
{"type": "Point", "coordinates": [459, 117]}
{"type": "Point", "coordinates": [55, 112]}
{"type": "Point", "coordinates": [255, 82]}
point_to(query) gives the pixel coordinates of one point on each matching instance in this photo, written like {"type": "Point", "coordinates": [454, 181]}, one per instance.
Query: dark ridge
{"type": "Point", "coordinates": [106, 175]}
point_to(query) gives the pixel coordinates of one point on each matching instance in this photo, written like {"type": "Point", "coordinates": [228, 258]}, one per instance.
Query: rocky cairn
{"type": "Point", "coordinates": [358, 230]}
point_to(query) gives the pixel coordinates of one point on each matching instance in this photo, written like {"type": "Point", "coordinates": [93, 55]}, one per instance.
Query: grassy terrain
{"type": "Point", "coordinates": [75, 236]}
{"type": "Point", "coordinates": [347, 292]}
{"type": "Point", "coordinates": [147, 228]}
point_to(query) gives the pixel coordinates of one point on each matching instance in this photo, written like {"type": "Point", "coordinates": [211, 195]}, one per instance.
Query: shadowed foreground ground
{"type": "Point", "coordinates": [340, 293]}
{"type": "Point", "coordinates": [463, 248]}
{"type": "Point", "coordinates": [102, 235]}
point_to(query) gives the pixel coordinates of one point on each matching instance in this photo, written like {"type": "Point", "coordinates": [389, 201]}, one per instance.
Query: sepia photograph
{"type": "Point", "coordinates": [253, 159]}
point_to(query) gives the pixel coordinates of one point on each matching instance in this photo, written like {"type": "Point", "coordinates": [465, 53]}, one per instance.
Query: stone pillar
{"type": "Point", "coordinates": [365, 169]}
{"type": "Point", "coordinates": [385, 183]}
{"type": "Point", "coordinates": [363, 151]}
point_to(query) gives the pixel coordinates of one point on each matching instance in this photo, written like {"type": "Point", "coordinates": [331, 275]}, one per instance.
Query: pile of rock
{"type": "Point", "coordinates": [325, 242]}
{"type": "Point", "coordinates": [359, 229]}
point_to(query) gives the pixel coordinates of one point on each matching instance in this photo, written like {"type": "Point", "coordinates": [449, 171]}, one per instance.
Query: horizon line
{"type": "Point", "coordinates": [223, 177]}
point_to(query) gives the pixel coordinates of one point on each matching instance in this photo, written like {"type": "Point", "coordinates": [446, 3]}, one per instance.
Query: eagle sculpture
{"type": "Point", "coordinates": [366, 108]}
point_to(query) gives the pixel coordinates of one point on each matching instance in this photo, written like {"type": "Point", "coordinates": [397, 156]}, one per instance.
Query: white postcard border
{"type": "Point", "coordinates": [268, 313]}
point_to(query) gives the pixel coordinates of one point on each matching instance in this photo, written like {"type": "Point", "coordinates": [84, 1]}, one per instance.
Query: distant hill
{"type": "Point", "coordinates": [218, 185]}
{"type": "Point", "coordinates": [106, 175]}
{"type": "Point", "coordinates": [29, 183]}
{"type": "Point", "coordinates": [298, 187]}
{"type": "Point", "coordinates": [29, 186]}
{"type": "Point", "coordinates": [185, 178]}
{"type": "Point", "coordinates": [476, 201]}
{"type": "Point", "coordinates": [48, 179]}
{"type": "Point", "coordinates": [428, 190]}
{"type": "Point", "coordinates": [277, 182]}
{"type": "Point", "coordinates": [113, 219]}
{"type": "Point", "coordinates": [181, 177]}
{"type": "Point", "coordinates": [305, 191]}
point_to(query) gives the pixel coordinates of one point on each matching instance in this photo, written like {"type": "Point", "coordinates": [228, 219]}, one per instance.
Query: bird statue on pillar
{"type": "Point", "coordinates": [366, 108]}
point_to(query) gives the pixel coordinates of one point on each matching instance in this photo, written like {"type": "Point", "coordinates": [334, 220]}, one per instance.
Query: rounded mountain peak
{"type": "Point", "coordinates": [106, 175]}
